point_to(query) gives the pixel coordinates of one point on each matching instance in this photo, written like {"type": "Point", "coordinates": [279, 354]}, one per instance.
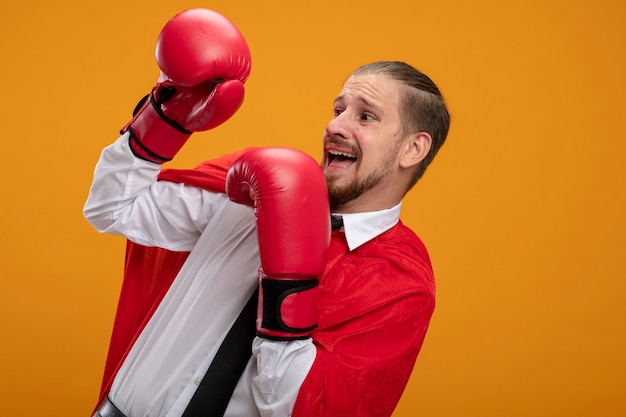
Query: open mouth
{"type": "Point", "coordinates": [338, 159]}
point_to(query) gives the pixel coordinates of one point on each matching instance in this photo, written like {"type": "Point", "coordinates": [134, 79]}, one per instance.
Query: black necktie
{"type": "Point", "coordinates": [217, 387]}
{"type": "Point", "coordinates": [336, 222]}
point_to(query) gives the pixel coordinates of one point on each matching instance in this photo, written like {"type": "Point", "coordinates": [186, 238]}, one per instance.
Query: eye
{"type": "Point", "coordinates": [337, 111]}
{"type": "Point", "coordinates": [367, 117]}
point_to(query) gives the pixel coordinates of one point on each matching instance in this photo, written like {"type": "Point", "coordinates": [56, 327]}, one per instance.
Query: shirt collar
{"type": "Point", "coordinates": [360, 228]}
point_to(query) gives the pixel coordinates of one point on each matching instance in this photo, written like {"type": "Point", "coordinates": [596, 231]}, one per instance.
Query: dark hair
{"type": "Point", "coordinates": [423, 107]}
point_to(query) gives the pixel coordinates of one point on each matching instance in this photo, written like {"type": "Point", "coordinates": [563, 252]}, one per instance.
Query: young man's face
{"type": "Point", "coordinates": [362, 142]}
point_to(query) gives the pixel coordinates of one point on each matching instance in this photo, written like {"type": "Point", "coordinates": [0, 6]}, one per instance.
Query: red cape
{"type": "Point", "coordinates": [370, 328]}
{"type": "Point", "coordinates": [375, 306]}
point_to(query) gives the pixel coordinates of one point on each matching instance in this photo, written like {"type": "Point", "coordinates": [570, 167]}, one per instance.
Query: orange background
{"type": "Point", "coordinates": [523, 210]}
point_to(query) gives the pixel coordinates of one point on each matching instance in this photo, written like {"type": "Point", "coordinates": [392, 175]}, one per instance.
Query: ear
{"type": "Point", "coordinates": [417, 147]}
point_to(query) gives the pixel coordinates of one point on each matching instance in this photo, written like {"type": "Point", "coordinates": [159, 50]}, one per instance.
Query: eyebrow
{"type": "Point", "coordinates": [363, 100]}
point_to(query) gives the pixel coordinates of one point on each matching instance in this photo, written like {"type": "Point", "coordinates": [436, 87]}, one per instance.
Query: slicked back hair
{"type": "Point", "coordinates": [423, 108]}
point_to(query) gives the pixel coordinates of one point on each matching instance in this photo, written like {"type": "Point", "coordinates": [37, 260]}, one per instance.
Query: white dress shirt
{"type": "Point", "coordinates": [167, 362]}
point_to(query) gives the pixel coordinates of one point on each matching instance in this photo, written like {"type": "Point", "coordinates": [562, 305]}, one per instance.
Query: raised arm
{"type": "Point", "coordinates": [288, 192]}
{"type": "Point", "coordinates": [204, 61]}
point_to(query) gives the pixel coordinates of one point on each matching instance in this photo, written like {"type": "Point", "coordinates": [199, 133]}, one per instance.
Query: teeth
{"type": "Point", "coordinates": [335, 153]}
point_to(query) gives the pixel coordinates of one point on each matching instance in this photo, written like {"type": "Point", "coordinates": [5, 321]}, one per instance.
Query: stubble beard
{"type": "Point", "coordinates": [340, 195]}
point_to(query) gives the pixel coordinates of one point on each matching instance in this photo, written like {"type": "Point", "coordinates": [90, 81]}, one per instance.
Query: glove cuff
{"type": "Point", "coordinates": [287, 308]}
{"type": "Point", "coordinates": [153, 136]}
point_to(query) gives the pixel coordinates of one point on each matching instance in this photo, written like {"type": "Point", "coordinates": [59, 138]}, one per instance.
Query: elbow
{"type": "Point", "coordinates": [99, 220]}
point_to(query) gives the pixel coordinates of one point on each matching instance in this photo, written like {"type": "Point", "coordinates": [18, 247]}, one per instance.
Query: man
{"type": "Point", "coordinates": [376, 290]}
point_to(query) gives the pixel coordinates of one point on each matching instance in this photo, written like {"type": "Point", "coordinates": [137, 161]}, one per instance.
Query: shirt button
{"type": "Point", "coordinates": [198, 381]}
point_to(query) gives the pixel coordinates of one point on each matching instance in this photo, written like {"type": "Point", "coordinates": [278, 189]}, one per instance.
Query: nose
{"type": "Point", "coordinates": [338, 126]}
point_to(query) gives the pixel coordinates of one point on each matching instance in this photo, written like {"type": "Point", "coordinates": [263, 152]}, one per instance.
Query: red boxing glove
{"type": "Point", "coordinates": [205, 62]}
{"type": "Point", "coordinates": [288, 191]}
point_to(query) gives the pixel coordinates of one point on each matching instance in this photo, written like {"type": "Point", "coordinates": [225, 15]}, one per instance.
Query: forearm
{"type": "Point", "coordinates": [126, 199]}
{"type": "Point", "coordinates": [288, 192]}
{"type": "Point", "coordinates": [119, 177]}
{"type": "Point", "coordinates": [282, 366]}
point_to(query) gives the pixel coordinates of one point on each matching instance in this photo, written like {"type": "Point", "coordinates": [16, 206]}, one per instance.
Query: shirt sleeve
{"type": "Point", "coordinates": [282, 366]}
{"type": "Point", "coordinates": [126, 199]}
